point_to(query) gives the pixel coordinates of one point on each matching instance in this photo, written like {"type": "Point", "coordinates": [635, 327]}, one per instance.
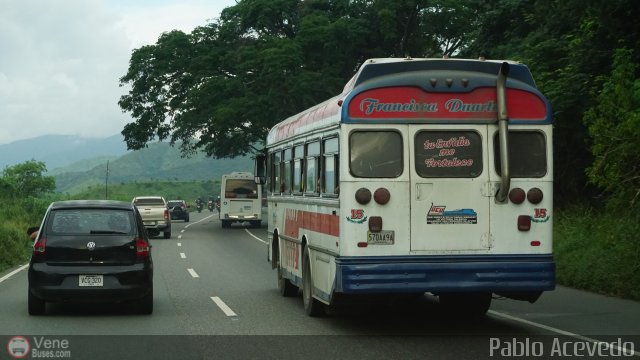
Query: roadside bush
{"type": "Point", "coordinates": [598, 251]}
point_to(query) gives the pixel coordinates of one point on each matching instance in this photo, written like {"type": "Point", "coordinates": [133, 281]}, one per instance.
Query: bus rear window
{"type": "Point", "coordinates": [375, 154]}
{"type": "Point", "coordinates": [448, 154]}
{"type": "Point", "coordinates": [527, 154]}
{"type": "Point", "coordinates": [241, 188]}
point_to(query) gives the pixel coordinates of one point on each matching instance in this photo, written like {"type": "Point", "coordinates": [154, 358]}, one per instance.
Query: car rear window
{"type": "Point", "coordinates": [149, 201]}
{"type": "Point", "coordinates": [90, 221]}
{"type": "Point", "coordinates": [174, 203]}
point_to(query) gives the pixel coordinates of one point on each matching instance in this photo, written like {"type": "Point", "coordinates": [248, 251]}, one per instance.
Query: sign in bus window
{"type": "Point", "coordinates": [375, 154]}
{"type": "Point", "coordinates": [527, 154]}
{"type": "Point", "coordinates": [448, 154]}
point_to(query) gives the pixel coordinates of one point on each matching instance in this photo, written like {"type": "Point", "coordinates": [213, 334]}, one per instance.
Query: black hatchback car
{"type": "Point", "coordinates": [91, 251]}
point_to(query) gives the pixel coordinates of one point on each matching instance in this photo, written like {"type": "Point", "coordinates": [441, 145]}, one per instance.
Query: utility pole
{"type": "Point", "coordinates": [106, 183]}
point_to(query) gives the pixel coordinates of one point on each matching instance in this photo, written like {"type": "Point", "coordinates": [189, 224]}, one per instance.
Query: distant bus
{"type": "Point", "coordinates": [422, 176]}
{"type": "Point", "coordinates": [240, 199]}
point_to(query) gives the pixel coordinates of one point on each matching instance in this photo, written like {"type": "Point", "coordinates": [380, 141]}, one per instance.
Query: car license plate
{"type": "Point", "coordinates": [385, 237]}
{"type": "Point", "coordinates": [90, 280]}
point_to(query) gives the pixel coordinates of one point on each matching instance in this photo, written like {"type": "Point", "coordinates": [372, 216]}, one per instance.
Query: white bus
{"type": "Point", "coordinates": [422, 176]}
{"type": "Point", "coordinates": [240, 199]}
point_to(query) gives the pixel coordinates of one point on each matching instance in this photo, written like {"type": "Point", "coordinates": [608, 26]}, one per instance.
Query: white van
{"type": "Point", "coordinates": [240, 199]}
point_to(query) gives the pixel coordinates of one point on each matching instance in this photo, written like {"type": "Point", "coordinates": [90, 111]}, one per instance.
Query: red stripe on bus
{"type": "Point", "coordinates": [414, 103]}
{"type": "Point", "coordinates": [322, 223]}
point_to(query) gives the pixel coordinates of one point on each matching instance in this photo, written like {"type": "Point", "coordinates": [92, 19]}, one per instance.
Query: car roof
{"type": "Point", "coordinates": [115, 204]}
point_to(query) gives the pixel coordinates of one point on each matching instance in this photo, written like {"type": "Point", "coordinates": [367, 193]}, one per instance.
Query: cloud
{"type": "Point", "coordinates": [61, 61]}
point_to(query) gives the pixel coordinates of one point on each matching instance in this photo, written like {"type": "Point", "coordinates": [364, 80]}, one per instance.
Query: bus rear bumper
{"type": "Point", "coordinates": [522, 277]}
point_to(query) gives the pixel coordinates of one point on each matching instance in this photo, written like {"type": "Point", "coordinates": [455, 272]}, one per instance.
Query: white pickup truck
{"type": "Point", "coordinates": [155, 214]}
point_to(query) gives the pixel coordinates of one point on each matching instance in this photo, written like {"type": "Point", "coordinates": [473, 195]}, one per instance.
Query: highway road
{"type": "Point", "coordinates": [216, 297]}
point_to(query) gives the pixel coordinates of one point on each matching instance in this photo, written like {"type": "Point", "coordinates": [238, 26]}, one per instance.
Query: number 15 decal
{"type": "Point", "coordinates": [540, 213]}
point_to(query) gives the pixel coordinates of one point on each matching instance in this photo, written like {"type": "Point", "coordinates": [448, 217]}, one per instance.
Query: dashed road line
{"type": "Point", "coordinates": [193, 273]}
{"type": "Point", "coordinates": [226, 309]}
{"type": "Point", "coordinates": [179, 244]}
{"type": "Point", "coordinates": [183, 255]}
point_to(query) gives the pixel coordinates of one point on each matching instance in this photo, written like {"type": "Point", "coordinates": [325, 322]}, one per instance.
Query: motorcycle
{"type": "Point", "coordinates": [210, 206]}
{"type": "Point", "coordinates": [199, 207]}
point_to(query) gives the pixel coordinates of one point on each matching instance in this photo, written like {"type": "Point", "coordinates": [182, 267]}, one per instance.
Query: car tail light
{"type": "Point", "coordinates": [517, 195]}
{"type": "Point", "coordinates": [382, 196]}
{"type": "Point", "coordinates": [143, 249]}
{"type": "Point", "coordinates": [40, 246]}
{"type": "Point", "coordinates": [534, 195]}
{"type": "Point", "coordinates": [166, 214]}
{"type": "Point", "coordinates": [363, 196]}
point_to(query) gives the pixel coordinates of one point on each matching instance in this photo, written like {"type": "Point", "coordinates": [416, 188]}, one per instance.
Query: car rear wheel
{"type": "Point", "coordinates": [167, 234]}
{"type": "Point", "coordinates": [145, 305]}
{"type": "Point", "coordinates": [36, 306]}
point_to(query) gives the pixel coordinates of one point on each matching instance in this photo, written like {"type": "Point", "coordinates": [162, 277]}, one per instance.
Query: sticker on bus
{"type": "Point", "coordinates": [438, 215]}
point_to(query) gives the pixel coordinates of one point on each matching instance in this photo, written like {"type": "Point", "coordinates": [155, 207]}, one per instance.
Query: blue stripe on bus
{"type": "Point", "coordinates": [450, 273]}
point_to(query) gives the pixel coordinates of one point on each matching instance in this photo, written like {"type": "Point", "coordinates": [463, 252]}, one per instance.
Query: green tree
{"type": "Point", "coordinates": [222, 87]}
{"type": "Point", "coordinates": [26, 180]}
{"type": "Point", "coordinates": [614, 126]}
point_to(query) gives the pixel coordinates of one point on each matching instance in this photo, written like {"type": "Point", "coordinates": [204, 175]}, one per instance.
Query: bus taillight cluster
{"type": "Point", "coordinates": [517, 195]}
{"type": "Point", "coordinates": [380, 196]}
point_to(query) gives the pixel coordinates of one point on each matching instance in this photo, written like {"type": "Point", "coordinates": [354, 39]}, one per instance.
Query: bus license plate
{"type": "Point", "coordinates": [385, 237]}
{"type": "Point", "coordinates": [90, 280]}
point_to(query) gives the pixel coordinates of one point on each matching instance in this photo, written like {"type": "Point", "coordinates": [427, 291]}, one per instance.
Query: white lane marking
{"type": "Point", "coordinates": [227, 310]}
{"type": "Point", "coordinates": [179, 244]}
{"type": "Point", "coordinates": [14, 272]}
{"type": "Point", "coordinates": [183, 255]}
{"type": "Point", "coordinates": [179, 237]}
{"type": "Point", "coordinates": [193, 223]}
{"type": "Point", "coordinates": [562, 332]}
{"type": "Point", "coordinates": [182, 230]}
{"type": "Point", "coordinates": [255, 237]}
{"type": "Point", "coordinates": [193, 273]}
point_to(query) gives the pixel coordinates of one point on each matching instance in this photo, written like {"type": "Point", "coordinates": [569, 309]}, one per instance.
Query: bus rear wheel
{"type": "Point", "coordinates": [312, 306]}
{"type": "Point", "coordinates": [287, 289]}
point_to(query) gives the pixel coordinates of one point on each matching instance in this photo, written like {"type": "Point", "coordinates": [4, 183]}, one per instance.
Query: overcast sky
{"type": "Point", "coordinates": [60, 60]}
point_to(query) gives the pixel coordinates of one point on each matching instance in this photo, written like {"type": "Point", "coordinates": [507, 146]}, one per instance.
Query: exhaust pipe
{"type": "Point", "coordinates": [503, 131]}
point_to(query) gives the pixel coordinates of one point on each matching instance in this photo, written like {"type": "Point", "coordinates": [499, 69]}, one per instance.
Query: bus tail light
{"type": "Point", "coordinates": [382, 196]}
{"type": "Point", "coordinates": [534, 195]}
{"type": "Point", "coordinates": [524, 222]}
{"type": "Point", "coordinates": [363, 196]}
{"type": "Point", "coordinates": [375, 223]}
{"type": "Point", "coordinates": [363, 244]}
{"type": "Point", "coordinates": [535, 243]}
{"type": "Point", "coordinates": [517, 195]}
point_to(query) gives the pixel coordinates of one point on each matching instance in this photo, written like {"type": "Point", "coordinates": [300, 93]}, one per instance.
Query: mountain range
{"type": "Point", "coordinates": [78, 162]}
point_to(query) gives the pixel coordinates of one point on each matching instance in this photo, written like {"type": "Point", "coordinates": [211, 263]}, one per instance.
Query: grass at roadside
{"type": "Point", "coordinates": [598, 251]}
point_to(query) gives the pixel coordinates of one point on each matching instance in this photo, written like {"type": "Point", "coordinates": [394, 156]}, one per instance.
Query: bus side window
{"type": "Point", "coordinates": [298, 170]}
{"type": "Point", "coordinates": [311, 168]}
{"type": "Point", "coordinates": [329, 174]}
{"type": "Point", "coordinates": [286, 172]}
